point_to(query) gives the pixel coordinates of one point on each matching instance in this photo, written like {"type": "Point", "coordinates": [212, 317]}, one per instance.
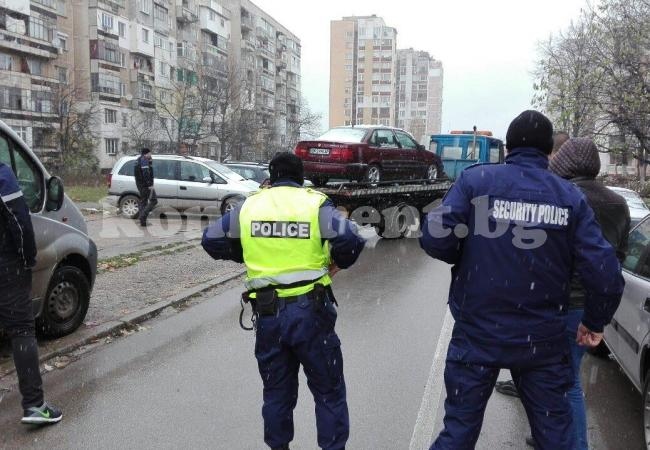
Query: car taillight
{"type": "Point", "coordinates": [343, 153]}
{"type": "Point", "coordinates": [109, 179]}
{"type": "Point", "coordinates": [301, 151]}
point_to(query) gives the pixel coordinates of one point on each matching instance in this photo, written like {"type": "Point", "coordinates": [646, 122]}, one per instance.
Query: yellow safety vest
{"type": "Point", "coordinates": [281, 240]}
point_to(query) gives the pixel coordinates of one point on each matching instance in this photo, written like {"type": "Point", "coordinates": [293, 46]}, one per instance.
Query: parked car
{"type": "Point", "coordinates": [638, 208]}
{"type": "Point", "coordinates": [66, 264]}
{"type": "Point", "coordinates": [252, 171]}
{"type": "Point", "coordinates": [628, 336]}
{"type": "Point", "coordinates": [367, 153]}
{"type": "Point", "coordinates": [461, 149]}
{"type": "Point", "coordinates": [182, 183]}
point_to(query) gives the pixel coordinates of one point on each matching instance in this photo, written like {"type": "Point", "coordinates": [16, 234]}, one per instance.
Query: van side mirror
{"type": "Point", "coordinates": [208, 180]}
{"type": "Point", "coordinates": [55, 194]}
{"type": "Point", "coordinates": [421, 147]}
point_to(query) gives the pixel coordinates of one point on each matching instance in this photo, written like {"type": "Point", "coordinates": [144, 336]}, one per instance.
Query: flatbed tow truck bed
{"type": "Point", "coordinates": [394, 208]}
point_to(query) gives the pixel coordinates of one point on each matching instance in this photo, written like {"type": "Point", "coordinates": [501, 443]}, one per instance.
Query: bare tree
{"type": "Point", "coordinates": [306, 125]}
{"type": "Point", "coordinates": [76, 134]}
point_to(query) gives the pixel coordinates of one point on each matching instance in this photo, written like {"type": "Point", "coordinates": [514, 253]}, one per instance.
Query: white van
{"type": "Point", "coordinates": [66, 262]}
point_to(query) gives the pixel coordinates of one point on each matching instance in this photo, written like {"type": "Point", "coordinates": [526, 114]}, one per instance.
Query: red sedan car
{"type": "Point", "coordinates": [367, 153]}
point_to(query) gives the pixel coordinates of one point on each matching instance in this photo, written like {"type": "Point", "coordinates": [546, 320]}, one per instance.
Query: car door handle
{"type": "Point", "coordinates": [183, 188]}
{"type": "Point", "coordinates": [646, 305]}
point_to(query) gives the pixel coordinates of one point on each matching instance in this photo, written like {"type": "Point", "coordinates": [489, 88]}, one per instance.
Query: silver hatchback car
{"type": "Point", "coordinates": [187, 184]}
{"type": "Point", "coordinates": [66, 263]}
{"type": "Point", "coordinates": [628, 336]}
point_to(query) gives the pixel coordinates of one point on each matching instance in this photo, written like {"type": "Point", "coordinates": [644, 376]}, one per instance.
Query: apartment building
{"type": "Point", "coordinates": [419, 93]}
{"type": "Point", "coordinates": [35, 57]}
{"type": "Point", "coordinates": [371, 82]}
{"type": "Point", "coordinates": [268, 56]}
{"type": "Point", "coordinates": [124, 59]}
{"type": "Point", "coordinates": [363, 62]}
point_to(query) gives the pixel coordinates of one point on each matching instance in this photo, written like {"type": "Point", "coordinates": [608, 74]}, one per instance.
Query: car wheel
{"type": "Point", "coordinates": [373, 174]}
{"type": "Point", "coordinates": [130, 206]}
{"type": "Point", "coordinates": [229, 204]}
{"type": "Point", "coordinates": [319, 181]}
{"type": "Point", "coordinates": [66, 303]}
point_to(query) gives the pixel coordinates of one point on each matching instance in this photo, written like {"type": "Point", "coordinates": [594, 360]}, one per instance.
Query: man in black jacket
{"type": "Point", "coordinates": [577, 161]}
{"type": "Point", "coordinates": [17, 257]}
{"type": "Point", "coordinates": [144, 177]}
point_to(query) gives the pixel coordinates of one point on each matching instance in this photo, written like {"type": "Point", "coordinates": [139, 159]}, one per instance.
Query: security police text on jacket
{"type": "Point", "coordinates": [514, 233]}
{"type": "Point", "coordinates": [287, 236]}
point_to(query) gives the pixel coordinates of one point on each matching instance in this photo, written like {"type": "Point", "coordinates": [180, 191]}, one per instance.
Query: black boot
{"type": "Point", "coordinates": [284, 447]}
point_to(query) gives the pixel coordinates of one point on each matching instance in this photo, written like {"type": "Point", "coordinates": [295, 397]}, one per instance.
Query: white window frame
{"type": "Point", "coordinates": [110, 116]}
{"type": "Point", "coordinates": [111, 145]}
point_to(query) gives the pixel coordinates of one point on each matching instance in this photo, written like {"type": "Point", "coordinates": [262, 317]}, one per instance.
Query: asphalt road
{"type": "Point", "coordinates": [191, 381]}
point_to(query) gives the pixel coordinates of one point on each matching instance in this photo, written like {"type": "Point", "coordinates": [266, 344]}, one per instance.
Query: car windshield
{"type": "Point", "coordinates": [224, 171]}
{"type": "Point", "coordinates": [351, 135]}
{"type": "Point", "coordinates": [632, 199]}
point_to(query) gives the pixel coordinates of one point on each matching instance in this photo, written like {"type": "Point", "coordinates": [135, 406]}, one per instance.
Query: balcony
{"type": "Point", "coordinates": [187, 14]}
{"type": "Point", "coordinates": [37, 39]}
{"type": "Point", "coordinates": [247, 23]}
{"type": "Point", "coordinates": [106, 51]}
{"type": "Point", "coordinates": [143, 91]}
{"type": "Point", "coordinates": [262, 33]}
{"type": "Point", "coordinates": [30, 102]}
{"type": "Point", "coordinates": [163, 26]}
{"type": "Point", "coordinates": [48, 5]}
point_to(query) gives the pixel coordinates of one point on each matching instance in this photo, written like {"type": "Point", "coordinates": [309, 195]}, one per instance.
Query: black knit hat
{"type": "Point", "coordinates": [145, 150]}
{"type": "Point", "coordinates": [286, 166]}
{"type": "Point", "coordinates": [530, 129]}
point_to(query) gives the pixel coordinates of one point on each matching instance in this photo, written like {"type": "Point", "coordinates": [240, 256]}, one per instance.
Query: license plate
{"type": "Point", "coordinates": [319, 151]}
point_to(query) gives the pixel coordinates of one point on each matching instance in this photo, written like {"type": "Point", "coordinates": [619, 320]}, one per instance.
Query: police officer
{"type": "Point", "coordinates": [514, 233]}
{"type": "Point", "coordinates": [291, 239]}
{"type": "Point", "coordinates": [144, 178]}
{"type": "Point", "coordinates": [17, 257]}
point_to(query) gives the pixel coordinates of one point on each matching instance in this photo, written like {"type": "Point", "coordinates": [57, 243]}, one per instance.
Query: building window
{"type": "Point", "coordinates": [110, 116]}
{"type": "Point", "coordinates": [111, 145]}
{"type": "Point", "coordinates": [62, 73]}
{"type": "Point", "coordinates": [145, 35]}
{"type": "Point", "coordinates": [125, 117]}
{"type": "Point", "coordinates": [21, 132]}
{"type": "Point", "coordinates": [63, 43]}
{"type": "Point", "coordinates": [145, 6]}
{"type": "Point", "coordinates": [107, 21]}
{"type": "Point", "coordinates": [5, 62]}
{"type": "Point", "coordinates": [35, 66]}
{"type": "Point", "coordinates": [121, 26]}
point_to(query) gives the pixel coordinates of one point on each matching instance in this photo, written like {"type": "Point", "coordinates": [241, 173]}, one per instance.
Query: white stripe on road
{"type": "Point", "coordinates": [426, 421]}
{"type": "Point", "coordinates": [10, 197]}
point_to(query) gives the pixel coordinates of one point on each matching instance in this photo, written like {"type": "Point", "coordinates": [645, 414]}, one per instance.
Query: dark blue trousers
{"type": "Point", "coordinates": [542, 373]}
{"type": "Point", "coordinates": [302, 334]}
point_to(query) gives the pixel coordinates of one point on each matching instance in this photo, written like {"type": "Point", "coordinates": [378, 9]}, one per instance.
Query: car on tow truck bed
{"type": "Point", "coordinates": [367, 153]}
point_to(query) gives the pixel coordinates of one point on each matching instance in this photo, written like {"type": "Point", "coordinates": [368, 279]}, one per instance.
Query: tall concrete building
{"type": "Point", "coordinates": [363, 61]}
{"type": "Point", "coordinates": [124, 59]}
{"type": "Point", "coordinates": [371, 82]}
{"type": "Point", "coordinates": [36, 56]}
{"type": "Point", "coordinates": [419, 93]}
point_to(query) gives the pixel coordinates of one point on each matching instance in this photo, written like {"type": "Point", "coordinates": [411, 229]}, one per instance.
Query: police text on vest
{"type": "Point", "coordinates": [272, 229]}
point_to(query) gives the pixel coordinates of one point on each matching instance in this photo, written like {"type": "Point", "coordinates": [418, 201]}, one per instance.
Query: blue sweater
{"type": "Point", "coordinates": [520, 231]}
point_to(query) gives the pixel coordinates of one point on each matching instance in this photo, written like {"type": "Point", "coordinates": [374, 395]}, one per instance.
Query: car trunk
{"type": "Point", "coordinates": [328, 152]}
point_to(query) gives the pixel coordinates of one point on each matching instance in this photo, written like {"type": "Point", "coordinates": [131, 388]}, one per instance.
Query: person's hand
{"type": "Point", "coordinates": [588, 338]}
{"type": "Point", "coordinates": [334, 269]}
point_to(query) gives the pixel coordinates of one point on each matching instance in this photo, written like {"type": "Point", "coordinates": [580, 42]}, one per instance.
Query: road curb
{"type": "Point", "coordinates": [135, 318]}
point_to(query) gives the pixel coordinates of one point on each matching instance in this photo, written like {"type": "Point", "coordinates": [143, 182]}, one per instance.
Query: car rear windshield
{"type": "Point", "coordinates": [351, 135]}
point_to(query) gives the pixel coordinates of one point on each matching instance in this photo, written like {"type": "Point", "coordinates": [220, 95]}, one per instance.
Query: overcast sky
{"type": "Point", "coordinates": [488, 48]}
